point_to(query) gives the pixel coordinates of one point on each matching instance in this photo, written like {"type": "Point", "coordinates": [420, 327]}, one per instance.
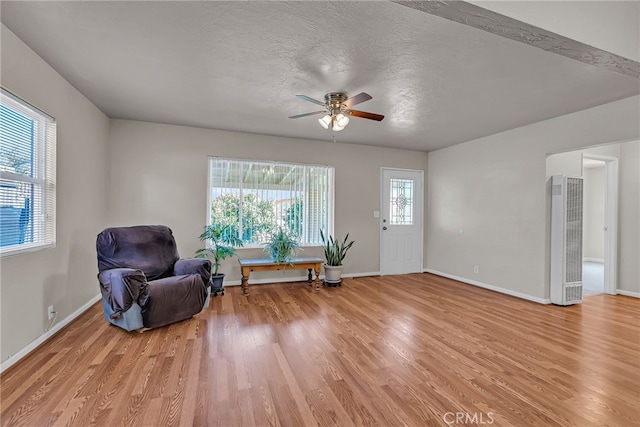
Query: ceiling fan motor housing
{"type": "Point", "coordinates": [335, 100]}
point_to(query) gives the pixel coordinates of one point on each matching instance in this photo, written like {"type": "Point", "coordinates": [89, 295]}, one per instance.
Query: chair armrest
{"type": "Point", "coordinates": [199, 266]}
{"type": "Point", "coordinates": [122, 287]}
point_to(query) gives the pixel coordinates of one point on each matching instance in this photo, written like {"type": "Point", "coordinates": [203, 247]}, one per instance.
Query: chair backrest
{"type": "Point", "coordinates": [149, 248]}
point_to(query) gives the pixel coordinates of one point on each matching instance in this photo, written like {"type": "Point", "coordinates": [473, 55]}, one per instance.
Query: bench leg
{"type": "Point", "coordinates": [245, 284]}
{"type": "Point", "coordinates": [317, 271]}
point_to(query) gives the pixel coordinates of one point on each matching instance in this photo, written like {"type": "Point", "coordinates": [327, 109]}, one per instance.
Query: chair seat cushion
{"type": "Point", "coordinates": [172, 299]}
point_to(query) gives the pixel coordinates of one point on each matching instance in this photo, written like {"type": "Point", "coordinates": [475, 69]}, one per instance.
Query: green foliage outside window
{"type": "Point", "coordinates": [293, 217]}
{"type": "Point", "coordinates": [258, 220]}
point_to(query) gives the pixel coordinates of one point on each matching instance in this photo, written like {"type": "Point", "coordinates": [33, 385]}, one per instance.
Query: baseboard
{"type": "Point", "coordinates": [294, 278]}
{"type": "Point", "coordinates": [628, 293]}
{"type": "Point", "coordinates": [490, 287]}
{"type": "Point", "coordinates": [369, 274]}
{"type": "Point", "coordinates": [48, 334]}
{"type": "Point", "coordinates": [599, 260]}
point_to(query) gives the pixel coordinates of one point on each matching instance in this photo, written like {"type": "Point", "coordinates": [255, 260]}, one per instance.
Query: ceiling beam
{"type": "Point", "coordinates": [501, 25]}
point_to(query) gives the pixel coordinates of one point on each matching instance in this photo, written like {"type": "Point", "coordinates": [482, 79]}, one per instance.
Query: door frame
{"type": "Point", "coordinates": [381, 212]}
{"type": "Point", "coordinates": [610, 221]}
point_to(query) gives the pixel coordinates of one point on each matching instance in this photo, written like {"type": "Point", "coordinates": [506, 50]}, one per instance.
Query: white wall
{"type": "Point", "coordinates": [595, 180]}
{"type": "Point", "coordinates": [159, 176]}
{"type": "Point", "coordinates": [613, 26]}
{"type": "Point", "coordinates": [629, 221]}
{"type": "Point", "coordinates": [64, 276]}
{"type": "Point", "coordinates": [495, 189]}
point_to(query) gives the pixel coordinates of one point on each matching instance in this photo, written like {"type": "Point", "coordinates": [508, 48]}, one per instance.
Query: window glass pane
{"type": "Point", "coordinates": [401, 201]}
{"type": "Point", "coordinates": [16, 212]}
{"type": "Point", "coordinates": [16, 142]}
{"type": "Point", "coordinates": [317, 203]}
{"type": "Point", "coordinates": [27, 176]}
{"type": "Point", "coordinates": [255, 199]}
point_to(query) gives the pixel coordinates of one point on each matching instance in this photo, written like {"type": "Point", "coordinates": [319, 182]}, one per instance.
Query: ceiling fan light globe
{"type": "Point", "coordinates": [325, 121]}
{"type": "Point", "coordinates": [342, 120]}
{"type": "Point", "coordinates": [336, 127]}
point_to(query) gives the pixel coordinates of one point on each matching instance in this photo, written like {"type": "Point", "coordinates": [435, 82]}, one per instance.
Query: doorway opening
{"type": "Point", "coordinates": [599, 242]}
{"type": "Point", "coordinates": [594, 180]}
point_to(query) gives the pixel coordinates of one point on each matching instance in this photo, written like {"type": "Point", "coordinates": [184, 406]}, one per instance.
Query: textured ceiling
{"type": "Point", "coordinates": [238, 66]}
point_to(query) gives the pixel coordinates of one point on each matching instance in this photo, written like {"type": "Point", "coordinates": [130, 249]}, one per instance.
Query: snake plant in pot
{"type": "Point", "coordinates": [221, 244]}
{"type": "Point", "coordinates": [334, 252]}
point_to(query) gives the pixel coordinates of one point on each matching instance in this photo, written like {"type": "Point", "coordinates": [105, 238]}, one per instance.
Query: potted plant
{"type": "Point", "coordinates": [334, 253]}
{"type": "Point", "coordinates": [282, 245]}
{"type": "Point", "coordinates": [222, 243]}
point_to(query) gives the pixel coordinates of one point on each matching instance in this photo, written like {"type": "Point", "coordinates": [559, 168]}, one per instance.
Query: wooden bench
{"type": "Point", "coordinates": [247, 265]}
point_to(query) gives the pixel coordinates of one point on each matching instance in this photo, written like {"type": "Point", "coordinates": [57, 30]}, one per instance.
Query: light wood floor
{"type": "Point", "coordinates": [395, 350]}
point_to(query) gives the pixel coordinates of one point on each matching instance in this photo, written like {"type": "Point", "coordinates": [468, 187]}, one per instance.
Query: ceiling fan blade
{"type": "Point", "coordinates": [365, 115]}
{"type": "Point", "coordinates": [297, 116]}
{"type": "Point", "coordinates": [361, 97]}
{"type": "Point", "coordinates": [306, 98]}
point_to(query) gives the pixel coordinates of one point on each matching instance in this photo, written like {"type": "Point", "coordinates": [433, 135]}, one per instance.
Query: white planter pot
{"type": "Point", "coordinates": [332, 273]}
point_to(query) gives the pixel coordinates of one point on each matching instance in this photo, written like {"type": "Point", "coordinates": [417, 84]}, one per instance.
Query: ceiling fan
{"type": "Point", "coordinates": [337, 109]}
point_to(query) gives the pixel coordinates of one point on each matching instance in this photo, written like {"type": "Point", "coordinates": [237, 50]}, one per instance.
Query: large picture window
{"type": "Point", "coordinates": [27, 176]}
{"type": "Point", "coordinates": [255, 199]}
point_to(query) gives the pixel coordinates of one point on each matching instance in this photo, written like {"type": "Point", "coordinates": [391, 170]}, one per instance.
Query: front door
{"type": "Point", "coordinates": [401, 221]}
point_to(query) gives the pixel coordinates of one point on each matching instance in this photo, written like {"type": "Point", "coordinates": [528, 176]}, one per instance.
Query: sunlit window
{"type": "Point", "coordinates": [27, 176]}
{"type": "Point", "coordinates": [255, 199]}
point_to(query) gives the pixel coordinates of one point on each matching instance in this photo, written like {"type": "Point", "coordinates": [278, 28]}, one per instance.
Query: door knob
{"type": "Point", "coordinates": [384, 228]}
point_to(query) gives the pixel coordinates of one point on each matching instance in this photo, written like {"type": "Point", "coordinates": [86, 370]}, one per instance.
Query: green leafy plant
{"type": "Point", "coordinates": [281, 246]}
{"type": "Point", "coordinates": [334, 250]}
{"type": "Point", "coordinates": [222, 243]}
{"type": "Point", "coordinates": [293, 216]}
{"type": "Point", "coordinates": [258, 221]}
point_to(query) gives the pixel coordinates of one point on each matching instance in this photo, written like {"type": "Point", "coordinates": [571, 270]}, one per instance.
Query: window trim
{"type": "Point", "coordinates": [45, 165]}
{"type": "Point", "coordinates": [330, 193]}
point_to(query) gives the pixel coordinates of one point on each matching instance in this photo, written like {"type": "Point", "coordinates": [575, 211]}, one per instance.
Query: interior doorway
{"type": "Point", "coordinates": [599, 250]}
{"type": "Point", "coordinates": [593, 230]}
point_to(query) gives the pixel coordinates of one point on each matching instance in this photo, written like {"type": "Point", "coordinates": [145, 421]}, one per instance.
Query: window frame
{"type": "Point", "coordinates": [330, 192]}
{"type": "Point", "coordinates": [42, 214]}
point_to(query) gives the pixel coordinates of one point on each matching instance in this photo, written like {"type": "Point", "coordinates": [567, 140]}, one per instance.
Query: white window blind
{"type": "Point", "coordinates": [255, 199]}
{"type": "Point", "coordinates": [27, 176]}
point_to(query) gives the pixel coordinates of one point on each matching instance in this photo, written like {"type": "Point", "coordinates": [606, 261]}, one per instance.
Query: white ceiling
{"type": "Point", "coordinates": [238, 66]}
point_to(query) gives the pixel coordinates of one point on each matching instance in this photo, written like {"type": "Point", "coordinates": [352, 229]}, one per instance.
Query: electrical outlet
{"type": "Point", "coordinates": [50, 312]}
{"type": "Point", "coordinates": [476, 269]}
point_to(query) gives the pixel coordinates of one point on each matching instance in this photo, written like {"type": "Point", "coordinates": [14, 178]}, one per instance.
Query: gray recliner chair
{"type": "Point", "coordinates": [143, 281]}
